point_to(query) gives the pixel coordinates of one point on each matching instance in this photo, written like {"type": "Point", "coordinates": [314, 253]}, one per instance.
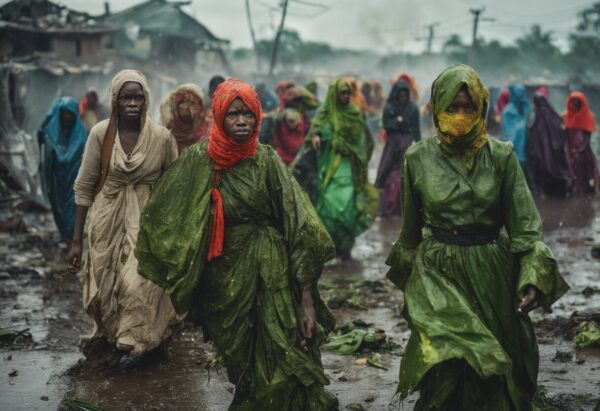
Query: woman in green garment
{"type": "Point", "coordinates": [346, 201]}
{"type": "Point", "coordinates": [228, 229]}
{"type": "Point", "coordinates": [468, 288]}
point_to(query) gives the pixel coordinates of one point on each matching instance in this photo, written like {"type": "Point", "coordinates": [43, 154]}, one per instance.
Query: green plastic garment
{"type": "Point", "coordinates": [249, 297]}
{"type": "Point", "coordinates": [346, 201]}
{"type": "Point", "coordinates": [588, 334]}
{"type": "Point", "coordinates": [468, 345]}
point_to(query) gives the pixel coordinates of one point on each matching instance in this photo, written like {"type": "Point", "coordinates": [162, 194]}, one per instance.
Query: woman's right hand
{"type": "Point", "coordinates": [74, 256]}
{"type": "Point", "coordinates": [316, 142]}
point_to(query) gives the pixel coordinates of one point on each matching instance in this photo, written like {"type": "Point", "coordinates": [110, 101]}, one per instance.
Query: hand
{"type": "Point", "coordinates": [74, 256]}
{"type": "Point", "coordinates": [529, 301]}
{"type": "Point", "coordinates": [400, 119]}
{"type": "Point", "coordinates": [308, 325]}
{"type": "Point", "coordinates": [316, 142]}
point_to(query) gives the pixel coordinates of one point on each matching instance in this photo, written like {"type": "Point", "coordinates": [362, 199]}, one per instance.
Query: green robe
{"type": "Point", "coordinates": [249, 297]}
{"type": "Point", "coordinates": [468, 345]}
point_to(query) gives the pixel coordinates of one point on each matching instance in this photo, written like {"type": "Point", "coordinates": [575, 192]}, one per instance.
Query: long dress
{"type": "Point", "coordinates": [249, 297]}
{"type": "Point", "coordinates": [129, 311]}
{"type": "Point", "coordinates": [400, 135]}
{"type": "Point", "coordinates": [513, 127]}
{"type": "Point", "coordinates": [467, 341]}
{"type": "Point", "coordinates": [547, 163]}
{"type": "Point", "coordinates": [583, 162]}
{"type": "Point", "coordinates": [61, 161]}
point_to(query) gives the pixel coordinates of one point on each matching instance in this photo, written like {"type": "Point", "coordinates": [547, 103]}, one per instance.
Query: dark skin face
{"type": "Point", "coordinates": [131, 103]}
{"type": "Point", "coordinates": [576, 104]}
{"type": "Point", "coordinates": [189, 109]}
{"type": "Point", "coordinates": [239, 122]}
{"type": "Point", "coordinates": [462, 103]}
{"type": "Point", "coordinates": [92, 100]}
{"type": "Point", "coordinates": [403, 96]}
{"type": "Point", "coordinates": [344, 97]}
{"type": "Point", "coordinates": [67, 119]}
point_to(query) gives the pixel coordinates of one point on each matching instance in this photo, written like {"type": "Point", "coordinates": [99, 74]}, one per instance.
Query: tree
{"type": "Point", "coordinates": [585, 41]}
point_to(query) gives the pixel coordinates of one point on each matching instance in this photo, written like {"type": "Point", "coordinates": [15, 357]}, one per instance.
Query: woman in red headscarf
{"type": "Point", "coordinates": [228, 230]}
{"type": "Point", "coordinates": [580, 123]}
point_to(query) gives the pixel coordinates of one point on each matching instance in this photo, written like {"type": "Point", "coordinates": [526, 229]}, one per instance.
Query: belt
{"type": "Point", "coordinates": [456, 238]}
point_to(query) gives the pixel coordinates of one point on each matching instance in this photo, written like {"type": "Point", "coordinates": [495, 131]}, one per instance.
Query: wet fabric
{"type": "Point", "coordinates": [513, 127]}
{"type": "Point", "coordinates": [345, 200]}
{"type": "Point", "coordinates": [288, 141]}
{"type": "Point", "coordinates": [250, 296]}
{"type": "Point", "coordinates": [547, 163]}
{"type": "Point", "coordinates": [131, 312]}
{"type": "Point", "coordinates": [225, 151]}
{"type": "Point", "coordinates": [61, 161]}
{"type": "Point", "coordinates": [400, 135]}
{"type": "Point", "coordinates": [191, 132]}
{"type": "Point", "coordinates": [583, 118]}
{"type": "Point", "coordinates": [468, 346]}
{"type": "Point", "coordinates": [583, 162]}
{"type": "Point", "coordinates": [412, 84]}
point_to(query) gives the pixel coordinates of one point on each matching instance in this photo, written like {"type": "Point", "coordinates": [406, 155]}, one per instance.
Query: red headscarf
{"type": "Point", "coordinates": [503, 100]}
{"type": "Point", "coordinates": [543, 90]}
{"type": "Point", "coordinates": [582, 119]}
{"type": "Point", "coordinates": [225, 151]}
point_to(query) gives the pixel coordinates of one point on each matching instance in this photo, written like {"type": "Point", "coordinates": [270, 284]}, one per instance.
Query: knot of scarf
{"type": "Point", "coordinates": [226, 152]}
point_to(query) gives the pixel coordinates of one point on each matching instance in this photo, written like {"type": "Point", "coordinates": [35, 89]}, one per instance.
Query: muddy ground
{"type": "Point", "coordinates": [38, 374]}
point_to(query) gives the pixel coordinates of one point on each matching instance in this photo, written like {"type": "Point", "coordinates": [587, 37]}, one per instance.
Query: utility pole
{"type": "Point", "coordinates": [253, 35]}
{"type": "Point", "coordinates": [476, 18]}
{"type": "Point", "coordinates": [430, 36]}
{"type": "Point", "coordinates": [284, 6]}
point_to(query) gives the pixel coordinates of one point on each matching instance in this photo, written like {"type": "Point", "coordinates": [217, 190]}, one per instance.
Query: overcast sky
{"type": "Point", "coordinates": [382, 25]}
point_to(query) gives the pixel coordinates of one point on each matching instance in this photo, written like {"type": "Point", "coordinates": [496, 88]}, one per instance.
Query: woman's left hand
{"type": "Point", "coordinates": [529, 302]}
{"type": "Point", "coordinates": [309, 319]}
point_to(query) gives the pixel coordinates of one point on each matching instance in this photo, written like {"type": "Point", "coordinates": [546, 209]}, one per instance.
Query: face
{"type": "Point", "coordinates": [189, 109]}
{"type": "Point", "coordinates": [131, 102]}
{"type": "Point", "coordinates": [576, 104]}
{"type": "Point", "coordinates": [344, 97]}
{"type": "Point", "coordinates": [67, 119]}
{"type": "Point", "coordinates": [239, 122]}
{"type": "Point", "coordinates": [291, 123]}
{"type": "Point", "coordinates": [462, 104]}
{"type": "Point", "coordinates": [92, 99]}
{"type": "Point", "coordinates": [403, 96]}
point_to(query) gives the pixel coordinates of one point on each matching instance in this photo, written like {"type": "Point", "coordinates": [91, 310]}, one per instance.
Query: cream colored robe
{"type": "Point", "coordinates": [130, 311]}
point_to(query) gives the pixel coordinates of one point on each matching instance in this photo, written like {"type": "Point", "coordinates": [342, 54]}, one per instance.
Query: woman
{"type": "Point", "coordinates": [345, 199]}
{"type": "Point", "coordinates": [123, 159]}
{"type": "Point", "coordinates": [229, 229]}
{"type": "Point", "coordinates": [547, 163]}
{"type": "Point", "coordinates": [91, 110]}
{"type": "Point", "coordinates": [402, 126]}
{"type": "Point", "coordinates": [580, 123]}
{"type": "Point", "coordinates": [513, 126]}
{"type": "Point", "coordinates": [468, 289]}
{"type": "Point", "coordinates": [64, 138]}
{"type": "Point", "coordinates": [285, 131]}
{"type": "Point", "coordinates": [183, 113]}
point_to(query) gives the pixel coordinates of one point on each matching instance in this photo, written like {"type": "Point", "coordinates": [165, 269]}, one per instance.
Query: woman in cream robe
{"type": "Point", "coordinates": [130, 313]}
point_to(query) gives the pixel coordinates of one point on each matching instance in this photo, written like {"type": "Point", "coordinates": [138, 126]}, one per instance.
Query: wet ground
{"type": "Point", "coordinates": [42, 372]}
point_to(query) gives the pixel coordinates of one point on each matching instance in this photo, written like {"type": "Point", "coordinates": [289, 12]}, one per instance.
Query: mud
{"type": "Point", "coordinates": [36, 293]}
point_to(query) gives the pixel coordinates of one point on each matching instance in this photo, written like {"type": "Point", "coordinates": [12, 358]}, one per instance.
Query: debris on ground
{"type": "Point", "coordinates": [588, 334]}
{"type": "Point", "coordinates": [357, 340]}
{"type": "Point", "coordinates": [79, 405]}
{"type": "Point", "coordinates": [562, 356]}
{"type": "Point", "coordinates": [353, 324]}
{"type": "Point", "coordinates": [11, 336]}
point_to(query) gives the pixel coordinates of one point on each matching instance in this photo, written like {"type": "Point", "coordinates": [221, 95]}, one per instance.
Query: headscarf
{"type": "Point", "coordinates": [62, 159]}
{"type": "Point", "coordinates": [582, 119]}
{"type": "Point", "coordinates": [356, 95]}
{"type": "Point", "coordinates": [503, 100]}
{"type": "Point", "coordinates": [185, 134]}
{"type": "Point", "coordinates": [412, 84]}
{"type": "Point", "coordinates": [307, 100]}
{"type": "Point", "coordinates": [288, 142]}
{"type": "Point", "coordinates": [313, 87]}
{"type": "Point", "coordinates": [91, 115]}
{"type": "Point", "coordinates": [84, 103]}
{"type": "Point", "coordinates": [444, 89]}
{"type": "Point", "coordinates": [514, 120]}
{"type": "Point", "coordinates": [225, 151]}
{"type": "Point", "coordinates": [409, 110]}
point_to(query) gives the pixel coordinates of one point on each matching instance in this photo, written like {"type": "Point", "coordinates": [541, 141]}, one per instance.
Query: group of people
{"type": "Point", "coordinates": [198, 216]}
{"type": "Point", "coordinates": [554, 150]}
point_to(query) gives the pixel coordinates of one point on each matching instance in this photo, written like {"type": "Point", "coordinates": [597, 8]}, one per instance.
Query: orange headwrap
{"type": "Point", "coordinates": [225, 151]}
{"type": "Point", "coordinates": [582, 119]}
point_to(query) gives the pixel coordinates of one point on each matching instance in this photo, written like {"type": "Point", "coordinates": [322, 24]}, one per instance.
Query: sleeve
{"type": "Point", "coordinates": [90, 170]}
{"type": "Point", "coordinates": [309, 244]}
{"type": "Point", "coordinates": [537, 265]}
{"type": "Point", "coordinates": [403, 252]}
{"type": "Point", "coordinates": [171, 151]}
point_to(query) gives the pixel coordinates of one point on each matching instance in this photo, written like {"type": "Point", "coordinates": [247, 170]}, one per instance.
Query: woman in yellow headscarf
{"type": "Point", "coordinates": [467, 288]}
